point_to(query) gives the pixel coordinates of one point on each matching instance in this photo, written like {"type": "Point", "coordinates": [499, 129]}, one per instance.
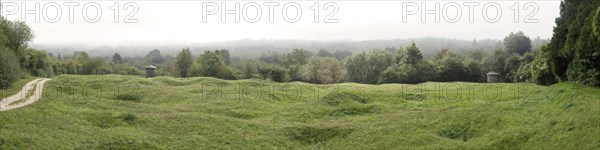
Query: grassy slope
{"type": "Point", "coordinates": [167, 113]}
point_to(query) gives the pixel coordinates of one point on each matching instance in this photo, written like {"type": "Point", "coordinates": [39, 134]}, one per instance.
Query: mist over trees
{"type": "Point", "coordinates": [252, 49]}
{"type": "Point", "coordinates": [392, 64]}
{"type": "Point", "coordinates": [573, 54]}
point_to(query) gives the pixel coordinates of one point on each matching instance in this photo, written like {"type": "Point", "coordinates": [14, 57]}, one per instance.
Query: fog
{"type": "Point", "coordinates": [173, 24]}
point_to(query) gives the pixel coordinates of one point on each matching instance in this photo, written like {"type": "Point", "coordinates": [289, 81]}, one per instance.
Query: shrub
{"type": "Point", "coordinates": [9, 68]}
{"type": "Point", "coordinates": [273, 72]}
{"type": "Point", "coordinates": [407, 73]}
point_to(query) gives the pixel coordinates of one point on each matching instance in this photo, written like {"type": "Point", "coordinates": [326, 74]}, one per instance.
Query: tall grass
{"type": "Point", "coordinates": [127, 112]}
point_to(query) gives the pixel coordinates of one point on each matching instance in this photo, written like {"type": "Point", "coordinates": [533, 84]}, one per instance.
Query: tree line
{"type": "Point", "coordinates": [390, 65]}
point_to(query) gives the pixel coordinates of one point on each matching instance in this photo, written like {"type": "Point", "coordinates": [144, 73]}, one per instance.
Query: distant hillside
{"type": "Point", "coordinates": [257, 48]}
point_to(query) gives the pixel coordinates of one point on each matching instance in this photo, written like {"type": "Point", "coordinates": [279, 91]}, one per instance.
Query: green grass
{"type": "Point", "coordinates": [127, 112]}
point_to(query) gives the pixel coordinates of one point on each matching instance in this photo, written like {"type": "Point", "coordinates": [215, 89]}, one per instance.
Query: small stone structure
{"type": "Point", "coordinates": [492, 77]}
{"type": "Point", "coordinates": [150, 71]}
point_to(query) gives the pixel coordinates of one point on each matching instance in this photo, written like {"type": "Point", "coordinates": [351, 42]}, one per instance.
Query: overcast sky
{"type": "Point", "coordinates": [182, 21]}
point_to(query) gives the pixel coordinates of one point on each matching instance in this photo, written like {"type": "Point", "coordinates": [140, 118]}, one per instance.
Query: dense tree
{"type": "Point", "coordinates": [323, 70]}
{"type": "Point", "coordinates": [36, 62]}
{"type": "Point", "coordinates": [409, 67]}
{"type": "Point", "coordinates": [496, 62]}
{"type": "Point", "coordinates": [324, 53]}
{"type": "Point", "coordinates": [341, 55]}
{"type": "Point", "coordinates": [413, 54]}
{"type": "Point", "coordinates": [449, 67]}
{"type": "Point", "coordinates": [540, 70]}
{"type": "Point", "coordinates": [14, 36]}
{"type": "Point", "coordinates": [273, 58]}
{"type": "Point", "coordinates": [9, 68]}
{"type": "Point", "coordinates": [210, 64]}
{"type": "Point", "coordinates": [225, 56]}
{"type": "Point", "coordinates": [296, 72]}
{"type": "Point", "coordinates": [116, 58]}
{"type": "Point", "coordinates": [273, 72]}
{"type": "Point", "coordinates": [184, 62]}
{"type": "Point", "coordinates": [249, 70]}
{"type": "Point", "coordinates": [297, 57]}
{"type": "Point", "coordinates": [596, 24]}
{"type": "Point", "coordinates": [574, 51]}
{"type": "Point", "coordinates": [476, 54]}
{"type": "Point", "coordinates": [474, 71]}
{"type": "Point", "coordinates": [16, 33]}
{"type": "Point", "coordinates": [365, 67]}
{"type": "Point", "coordinates": [154, 57]}
{"type": "Point", "coordinates": [517, 43]}
{"type": "Point", "coordinates": [95, 66]}
{"type": "Point", "coordinates": [407, 73]}
{"type": "Point", "coordinates": [294, 62]}
{"type": "Point", "coordinates": [511, 65]}
{"type": "Point", "coordinates": [169, 68]}
{"type": "Point", "coordinates": [445, 53]}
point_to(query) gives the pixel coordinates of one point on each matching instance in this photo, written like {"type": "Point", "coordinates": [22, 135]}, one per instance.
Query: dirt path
{"type": "Point", "coordinates": [30, 93]}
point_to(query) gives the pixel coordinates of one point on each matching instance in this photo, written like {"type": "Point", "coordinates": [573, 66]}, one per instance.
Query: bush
{"type": "Point", "coordinates": [9, 68]}
{"type": "Point", "coordinates": [540, 71]}
{"type": "Point", "coordinates": [273, 72]}
{"type": "Point", "coordinates": [407, 73]}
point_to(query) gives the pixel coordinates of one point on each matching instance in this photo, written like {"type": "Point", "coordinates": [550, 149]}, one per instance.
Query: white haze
{"type": "Point", "coordinates": [180, 22]}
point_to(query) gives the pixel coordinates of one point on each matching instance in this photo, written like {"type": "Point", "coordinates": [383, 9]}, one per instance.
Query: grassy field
{"type": "Point", "coordinates": [127, 112]}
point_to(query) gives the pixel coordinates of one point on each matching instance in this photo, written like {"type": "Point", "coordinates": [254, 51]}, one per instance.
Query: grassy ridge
{"type": "Point", "coordinates": [127, 112]}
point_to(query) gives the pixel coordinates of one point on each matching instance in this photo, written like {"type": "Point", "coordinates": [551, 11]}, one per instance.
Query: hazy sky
{"type": "Point", "coordinates": [182, 21]}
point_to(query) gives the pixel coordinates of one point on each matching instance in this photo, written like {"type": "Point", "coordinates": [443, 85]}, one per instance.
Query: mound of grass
{"type": "Point", "coordinates": [105, 120]}
{"type": "Point", "coordinates": [239, 115]}
{"type": "Point", "coordinates": [337, 98]}
{"type": "Point", "coordinates": [315, 135]}
{"type": "Point", "coordinates": [353, 110]}
{"type": "Point", "coordinates": [111, 120]}
{"type": "Point", "coordinates": [129, 97]}
{"type": "Point", "coordinates": [129, 118]}
{"type": "Point", "coordinates": [413, 96]}
{"type": "Point", "coordinates": [513, 139]}
{"type": "Point", "coordinates": [123, 143]}
{"type": "Point", "coordinates": [459, 131]}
